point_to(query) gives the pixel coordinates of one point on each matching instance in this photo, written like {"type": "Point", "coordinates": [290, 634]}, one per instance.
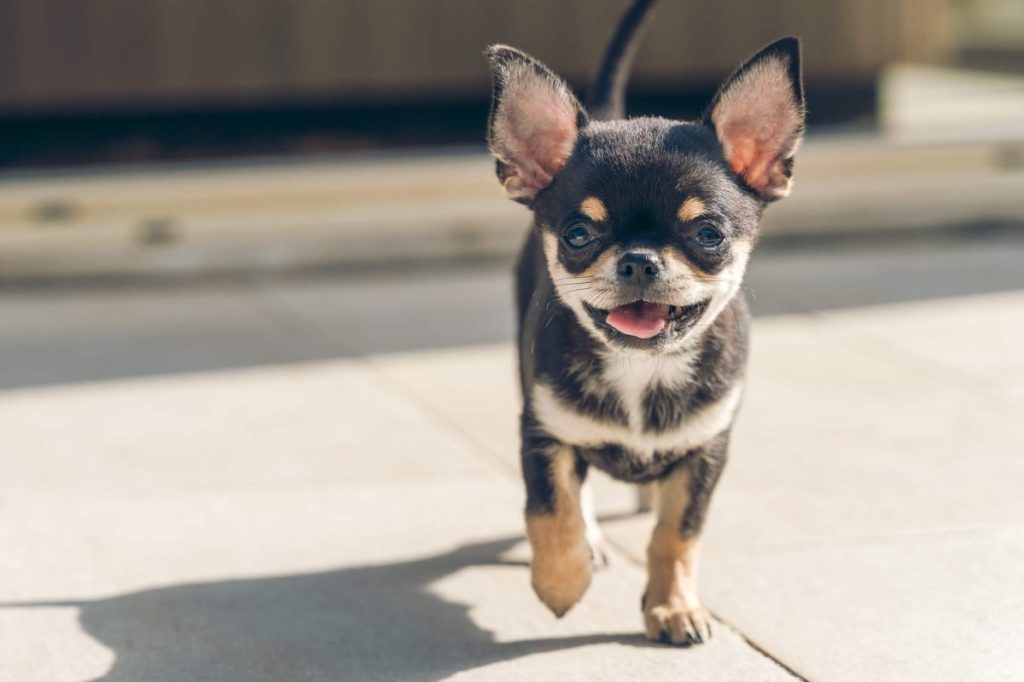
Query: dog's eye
{"type": "Point", "coordinates": [578, 236]}
{"type": "Point", "coordinates": [708, 237]}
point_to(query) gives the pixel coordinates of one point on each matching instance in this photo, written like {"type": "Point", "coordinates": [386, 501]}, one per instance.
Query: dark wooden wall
{"type": "Point", "coordinates": [85, 53]}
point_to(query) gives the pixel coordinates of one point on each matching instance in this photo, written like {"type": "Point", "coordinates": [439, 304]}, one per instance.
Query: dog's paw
{"type": "Point", "coordinates": [674, 623]}
{"type": "Point", "coordinates": [561, 578]}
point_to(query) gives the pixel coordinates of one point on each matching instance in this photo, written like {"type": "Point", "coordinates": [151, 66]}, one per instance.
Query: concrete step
{"type": "Point", "coordinates": [367, 209]}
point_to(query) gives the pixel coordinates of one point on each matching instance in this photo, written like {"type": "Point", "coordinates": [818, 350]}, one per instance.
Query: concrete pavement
{"type": "Point", "coordinates": [273, 480]}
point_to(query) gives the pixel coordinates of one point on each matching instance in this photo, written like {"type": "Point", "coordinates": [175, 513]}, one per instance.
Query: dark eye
{"type": "Point", "coordinates": [578, 236]}
{"type": "Point", "coordinates": [708, 237]}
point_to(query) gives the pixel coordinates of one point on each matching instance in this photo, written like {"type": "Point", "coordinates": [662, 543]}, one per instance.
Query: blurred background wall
{"type": "Point", "coordinates": [82, 82]}
{"type": "Point", "coordinates": [58, 53]}
{"type": "Point", "coordinates": [192, 136]}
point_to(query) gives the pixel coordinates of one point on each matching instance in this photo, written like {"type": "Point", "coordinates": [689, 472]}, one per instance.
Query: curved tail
{"type": "Point", "coordinates": [607, 96]}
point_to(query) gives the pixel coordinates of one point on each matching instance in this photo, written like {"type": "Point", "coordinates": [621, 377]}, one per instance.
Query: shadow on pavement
{"type": "Point", "coordinates": [369, 622]}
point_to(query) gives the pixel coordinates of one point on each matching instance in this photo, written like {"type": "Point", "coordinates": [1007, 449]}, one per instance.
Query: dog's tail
{"type": "Point", "coordinates": [607, 96]}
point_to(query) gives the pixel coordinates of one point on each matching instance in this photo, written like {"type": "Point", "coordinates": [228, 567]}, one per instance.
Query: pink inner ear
{"type": "Point", "coordinates": [534, 130]}
{"type": "Point", "coordinates": [758, 122]}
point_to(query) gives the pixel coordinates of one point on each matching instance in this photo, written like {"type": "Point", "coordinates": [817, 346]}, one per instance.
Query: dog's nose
{"type": "Point", "coordinates": [641, 268]}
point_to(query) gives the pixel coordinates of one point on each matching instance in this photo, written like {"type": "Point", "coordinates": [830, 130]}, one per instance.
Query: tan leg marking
{"type": "Point", "coordinates": [560, 570]}
{"type": "Point", "coordinates": [672, 610]}
{"type": "Point", "coordinates": [690, 209]}
{"type": "Point", "coordinates": [594, 208]}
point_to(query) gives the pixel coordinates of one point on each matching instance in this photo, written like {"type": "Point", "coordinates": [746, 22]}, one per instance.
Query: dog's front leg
{"type": "Point", "coordinates": [672, 609]}
{"type": "Point", "coordinates": [560, 570]}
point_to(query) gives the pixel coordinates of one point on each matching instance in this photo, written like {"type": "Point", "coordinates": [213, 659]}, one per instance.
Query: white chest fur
{"type": "Point", "coordinates": [630, 378]}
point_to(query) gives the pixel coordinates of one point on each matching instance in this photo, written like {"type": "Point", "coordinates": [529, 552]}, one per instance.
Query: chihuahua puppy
{"type": "Point", "coordinates": [632, 327]}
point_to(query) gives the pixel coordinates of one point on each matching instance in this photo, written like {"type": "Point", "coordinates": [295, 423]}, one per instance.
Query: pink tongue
{"type": "Point", "coordinates": [641, 319]}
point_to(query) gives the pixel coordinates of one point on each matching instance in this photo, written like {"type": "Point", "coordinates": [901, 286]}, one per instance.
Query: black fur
{"type": "Point", "coordinates": [606, 98]}
{"type": "Point", "coordinates": [706, 464]}
{"type": "Point", "coordinates": [536, 447]}
{"type": "Point", "coordinates": [642, 171]}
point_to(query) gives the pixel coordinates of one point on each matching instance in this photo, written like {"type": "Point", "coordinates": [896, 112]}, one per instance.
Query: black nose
{"type": "Point", "coordinates": [641, 268]}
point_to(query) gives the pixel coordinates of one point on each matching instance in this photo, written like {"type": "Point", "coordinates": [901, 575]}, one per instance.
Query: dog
{"type": "Point", "coordinates": [632, 327]}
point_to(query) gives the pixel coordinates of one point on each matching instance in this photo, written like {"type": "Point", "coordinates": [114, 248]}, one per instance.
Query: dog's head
{"type": "Point", "coordinates": [647, 223]}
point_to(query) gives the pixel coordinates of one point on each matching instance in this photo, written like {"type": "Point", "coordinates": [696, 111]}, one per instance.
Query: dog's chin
{"type": "Point", "coordinates": [645, 326]}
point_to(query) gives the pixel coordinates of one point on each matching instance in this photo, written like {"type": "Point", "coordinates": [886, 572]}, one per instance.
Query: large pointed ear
{"type": "Point", "coordinates": [534, 122]}
{"type": "Point", "coordinates": [758, 115]}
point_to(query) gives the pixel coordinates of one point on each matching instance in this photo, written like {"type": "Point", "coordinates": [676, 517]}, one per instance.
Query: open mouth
{"type": "Point", "coordinates": [647, 320]}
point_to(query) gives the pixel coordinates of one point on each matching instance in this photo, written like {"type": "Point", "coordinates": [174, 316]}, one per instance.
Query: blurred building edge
{"type": "Point", "coordinates": [151, 79]}
{"type": "Point", "coordinates": [148, 52]}
{"type": "Point", "coordinates": [946, 150]}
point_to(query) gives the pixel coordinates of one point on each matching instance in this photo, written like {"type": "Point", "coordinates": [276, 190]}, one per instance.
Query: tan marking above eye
{"type": "Point", "coordinates": [594, 208]}
{"type": "Point", "coordinates": [690, 209]}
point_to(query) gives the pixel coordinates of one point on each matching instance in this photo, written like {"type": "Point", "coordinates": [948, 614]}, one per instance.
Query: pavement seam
{"type": "Point", "coordinates": [623, 552]}
{"type": "Point", "coordinates": [298, 322]}
{"type": "Point", "coordinates": [268, 297]}
{"type": "Point", "coordinates": [759, 649]}
{"type": "Point", "coordinates": [450, 425]}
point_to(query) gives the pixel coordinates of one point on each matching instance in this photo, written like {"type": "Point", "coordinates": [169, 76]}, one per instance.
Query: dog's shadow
{"type": "Point", "coordinates": [371, 622]}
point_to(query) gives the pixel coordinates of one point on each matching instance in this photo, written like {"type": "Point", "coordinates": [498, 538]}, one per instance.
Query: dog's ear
{"type": "Point", "coordinates": [533, 124]}
{"type": "Point", "coordinates": [758, 116]}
